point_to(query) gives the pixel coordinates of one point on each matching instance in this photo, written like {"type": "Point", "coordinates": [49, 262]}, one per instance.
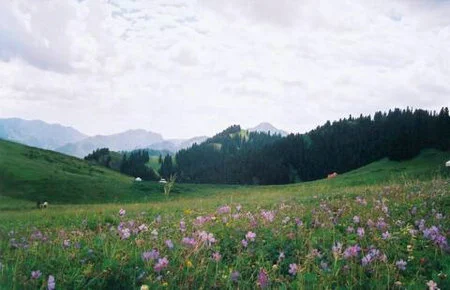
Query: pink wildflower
{"type": "Point", "coordinates": [224, 209]}
{"type": "Point", "coordinates": [216, 256]}
{"type": "Point", "coordinates": [432, 285]}
{"type": "Point", "coordinates": [161, 265]}
{"type": "Point", "coordinates": [263, 279]}
{"type": "Point", "coordinates": [250, 236]}
{"type": "Point", "coordinates": [293, 269]}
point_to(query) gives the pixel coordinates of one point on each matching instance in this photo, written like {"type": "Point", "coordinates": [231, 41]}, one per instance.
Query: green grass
{"type": "Point", "coordinates": [85, 200]}
{"type": "Point", "coordinates": [31, 174]}
{"type": "Point", "coordinates": [154, 163]}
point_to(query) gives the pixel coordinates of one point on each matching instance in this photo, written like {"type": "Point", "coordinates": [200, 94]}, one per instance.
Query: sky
{"type": "Point", "coordinates": [186, 68]}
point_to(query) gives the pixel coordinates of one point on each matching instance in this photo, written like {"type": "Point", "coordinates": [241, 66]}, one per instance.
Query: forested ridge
{"type": "Point", "coordinates": [237, 156]}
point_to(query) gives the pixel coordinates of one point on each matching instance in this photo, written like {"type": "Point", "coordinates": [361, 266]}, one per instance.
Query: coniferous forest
{"type": "Point", "coordinates": [236, 156]}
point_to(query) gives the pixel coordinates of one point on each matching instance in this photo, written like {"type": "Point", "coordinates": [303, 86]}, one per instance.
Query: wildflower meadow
{"type": "Point", "coordinates": [390, 237]}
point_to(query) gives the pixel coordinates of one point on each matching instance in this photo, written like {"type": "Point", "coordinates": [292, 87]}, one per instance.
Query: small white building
{"type": "Point", "coordinates": [163, 181]}
{"type": "Point", "coordinates": [138, 179]}
{"type": "Point", "coordinates": [447, 163]}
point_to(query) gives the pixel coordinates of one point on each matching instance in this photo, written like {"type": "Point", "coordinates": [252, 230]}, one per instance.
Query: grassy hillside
{"type": "Point", "coordinates": [29, 174]}
{"type": "Point", "coordinates": [310, 227]}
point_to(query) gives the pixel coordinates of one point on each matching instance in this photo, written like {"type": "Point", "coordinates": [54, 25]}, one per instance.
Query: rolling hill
{"type": "Point", "coordinates": [31, 174]}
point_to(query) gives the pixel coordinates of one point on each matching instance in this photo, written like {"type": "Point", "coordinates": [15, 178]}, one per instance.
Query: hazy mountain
{"type": "Point", "coordinates": [38, 133]}
{"type": "Point", "coordinates": [70, 141]}
{"type": "Point", "coordinates": [125, 141]}
{"type": "Point", "coordinates": [174, 145]}
{"type": "Point", "coordinates": [267, 127]}
{"type": "Point", "coordinates": [186, 143]}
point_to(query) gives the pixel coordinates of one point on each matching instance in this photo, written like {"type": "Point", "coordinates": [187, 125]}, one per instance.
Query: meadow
{"type": "Point", "coordinates": [383, 226]}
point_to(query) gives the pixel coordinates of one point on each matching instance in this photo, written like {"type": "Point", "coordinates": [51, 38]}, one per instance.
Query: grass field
{"type": "Point", "coordinates": [382, 226]}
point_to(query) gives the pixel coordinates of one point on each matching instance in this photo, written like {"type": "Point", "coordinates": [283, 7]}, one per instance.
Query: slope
{"type": "Point", "coordinates": [32, 174]}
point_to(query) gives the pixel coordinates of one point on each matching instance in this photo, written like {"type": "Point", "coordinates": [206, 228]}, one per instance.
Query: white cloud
{"type": "Point", "coordinates": [187, 68]}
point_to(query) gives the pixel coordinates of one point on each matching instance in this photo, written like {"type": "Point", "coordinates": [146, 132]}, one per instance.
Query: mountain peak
{"type": "Point", "coordinates": [266, 127]}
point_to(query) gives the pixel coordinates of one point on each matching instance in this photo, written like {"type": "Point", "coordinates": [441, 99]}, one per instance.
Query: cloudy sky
{"type": "Point", "coordinates": [193, 67]}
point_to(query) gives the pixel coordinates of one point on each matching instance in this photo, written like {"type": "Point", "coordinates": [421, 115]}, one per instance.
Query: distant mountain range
{"type": "Point", "coordinates": [125, 141]}
{"type": "Point", "coordinates": [38, 133]}
{"type": "Point", "coordinates": [69, 141]}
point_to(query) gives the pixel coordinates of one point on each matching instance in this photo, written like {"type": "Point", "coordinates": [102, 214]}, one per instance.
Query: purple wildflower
{"type": "Point", "coordinates": [350, 229]}
{"type": "Point", "coordinates": [234, 276]}
{"type": "Point", "coordinates": [36, 274]}
{"type": "Point", "coordinates": [366, 260]}
{"type": "Point", "coordinates": [182, 226]}
{"type": "Point", "coordinates": [150, 255]}
{"type": "Point", "coordinates": [143, 228]}
{"type": "Point", "coordinates": [381, 224]}
{"type": "Point", "coordinates": [51, 284]}
{"type": "Point", "coordinates": [207, 238]}
{"type": "Point", "coordinates": [124, 233]}
{"type": "Point", "coordinates": [189, 242]}
{"type": "Point", "coordinates": [401, 265]}
{"type": "Point", "coordinates": [169, 244]}
{"type": "Point", "coordinates": [268, 215]}
{"type": "Point", "coordinates": [360, 232]}
{"type": "Point", "coordinates": [244, 243]}
{"type": "Point", "coordinates": [263, 279]}
{"type": "Point", "coordinates": [352, 251]}
{"type": "Point", "coordinates": [298, 222]}
{"type": "Point", "coordinates": [420, 224]}
{"type": "Point", "coordinates": [386, 235]}
{"type": "Point", "coordinates": [122, 212]}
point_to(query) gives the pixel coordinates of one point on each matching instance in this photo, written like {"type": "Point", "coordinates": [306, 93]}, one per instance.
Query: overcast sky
{"type": "Point", "coordinates": [185, 68]}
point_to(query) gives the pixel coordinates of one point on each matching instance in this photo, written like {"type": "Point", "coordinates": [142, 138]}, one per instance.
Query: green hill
{"type": "Point", "coordinates": [29, 174]}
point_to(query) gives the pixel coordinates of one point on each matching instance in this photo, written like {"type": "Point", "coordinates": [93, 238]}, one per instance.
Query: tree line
{"type": "Point", "coordinates": [238, 157]}
{"type": "Point", "coordinates": [134, 163]}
